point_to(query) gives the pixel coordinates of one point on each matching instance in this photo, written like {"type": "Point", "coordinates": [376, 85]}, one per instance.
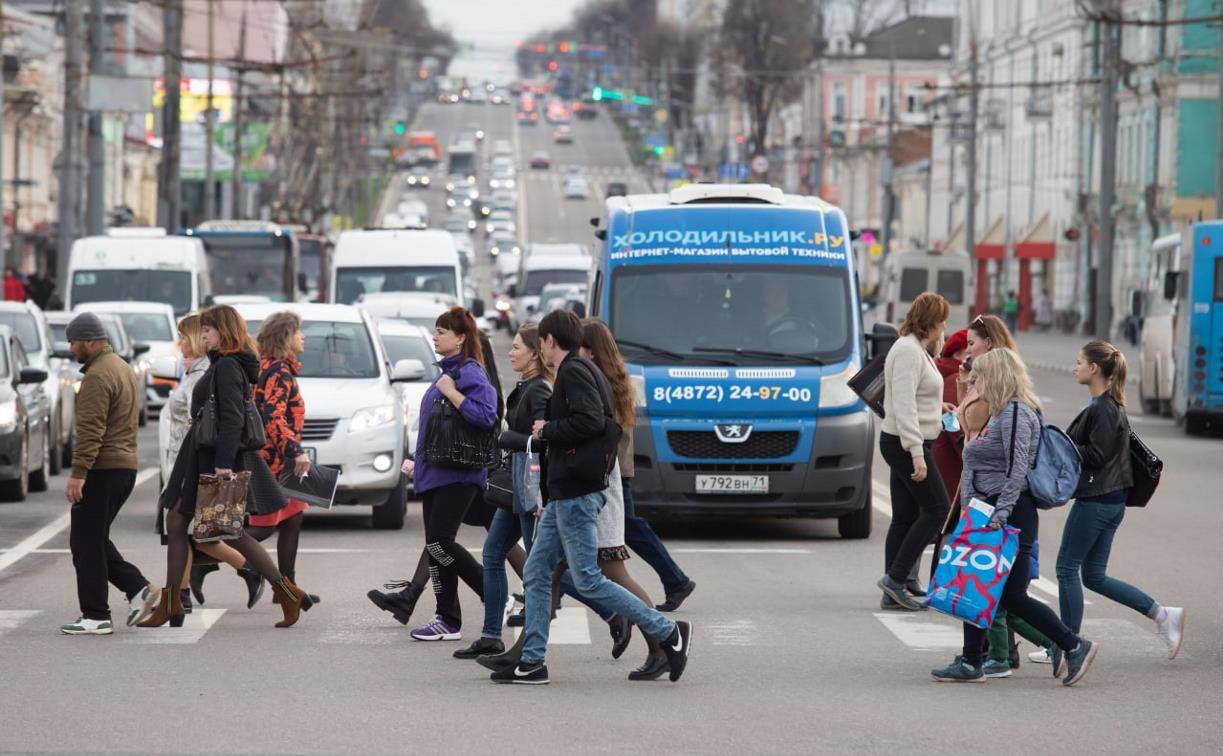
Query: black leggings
{"type": "Point", "coordinates": [288, 534]}
{"type": "Point", "coordinates": [443, 510]}
{"type": "Point", "coordinates": [1015, 598]}
{"type": "Point", "coordinates": [918, 509]}
{"type": "Point", "coordinates": [178, 546]}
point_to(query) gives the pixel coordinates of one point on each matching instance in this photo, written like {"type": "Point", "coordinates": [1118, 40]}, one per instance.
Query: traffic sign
{"type": "Point", "coordinates": [760, 164]}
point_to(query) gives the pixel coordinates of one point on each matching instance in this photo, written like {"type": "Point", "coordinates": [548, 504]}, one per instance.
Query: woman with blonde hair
{"type": "Point", "coordinates": [913, 410]}
{"type": "Point", "coordinates": [996, 463]}
{"type": "Point", "coordinates": [985, 332]}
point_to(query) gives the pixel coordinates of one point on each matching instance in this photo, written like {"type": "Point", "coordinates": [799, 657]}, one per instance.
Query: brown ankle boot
{"type": "Point", "coordinates": [293, 601]}
{"type": "Point", "coordinates": [169, 609]}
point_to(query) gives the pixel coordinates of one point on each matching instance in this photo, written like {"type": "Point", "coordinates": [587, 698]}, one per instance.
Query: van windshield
{"type": "Point", "coordinates": [801, 311]}
{"type": "Point", "coordinates": [351, 283]}
{"type": "Point", "coordinates": [172, 287]}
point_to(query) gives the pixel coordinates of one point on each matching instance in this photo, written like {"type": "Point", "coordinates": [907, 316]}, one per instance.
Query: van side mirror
{"type": "Point", "coordinates": [32, 375]}
{"type": "Point", "coordinates": [477, 307]}
{"type": "Point", "coordinates": [139, 348]}
{"type": "Point", "coordinates": [880, 339]}
{"type": "Point", "coordinates": [1170, 284]}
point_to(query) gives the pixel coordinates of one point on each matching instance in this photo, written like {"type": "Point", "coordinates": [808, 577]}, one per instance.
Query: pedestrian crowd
{"type": "Point", "coordinates": [548, 471]}
{"type": "Point", "coordinates": [962, 426]}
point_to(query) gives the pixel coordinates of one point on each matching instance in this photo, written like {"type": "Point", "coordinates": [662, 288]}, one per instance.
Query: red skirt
{"type": "Point", "coordinates": [275, 518]}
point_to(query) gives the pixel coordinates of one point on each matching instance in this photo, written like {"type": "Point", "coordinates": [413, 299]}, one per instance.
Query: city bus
{"type": "Point", "coordinates": [252, 258]}
{"type": "Point", "coordinates": [1181, 366]}
{"type": "Point", "coordinates": [738, 315]}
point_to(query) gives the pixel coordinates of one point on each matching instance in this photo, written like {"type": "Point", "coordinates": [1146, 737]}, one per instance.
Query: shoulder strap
{"type": "Point", "coordinates": [1014, 426]}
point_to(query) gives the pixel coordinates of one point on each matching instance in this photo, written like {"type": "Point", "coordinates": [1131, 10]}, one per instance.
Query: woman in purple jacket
{"type": "Point", "coordinates": [447, 492]}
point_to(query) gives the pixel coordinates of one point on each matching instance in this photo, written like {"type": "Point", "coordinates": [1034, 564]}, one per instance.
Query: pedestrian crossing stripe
{"type": "Point", "coordinates": [195, 626]}
{"type": "Point", "coordinates": [929, 631]}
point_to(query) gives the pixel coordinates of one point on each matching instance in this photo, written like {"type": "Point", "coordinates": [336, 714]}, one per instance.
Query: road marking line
{"type": "Point", "coordinates": [916, 631]}
{"type": "Point", "coordinates": [738, 632]}
{"type": "Point", "coordinates": [11, 618]}
{"type": "Point", "coordinates": [34, 541]}
{"type": "Point", "coordinates": [570, 628]}
{"type": "Point", "coordinates": [195, 625]}
{"type": "Point", "coordinates": [882, 498]}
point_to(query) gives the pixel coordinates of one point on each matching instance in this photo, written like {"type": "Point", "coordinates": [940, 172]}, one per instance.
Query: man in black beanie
{"type": "Point", "coordinates": [103, 476]}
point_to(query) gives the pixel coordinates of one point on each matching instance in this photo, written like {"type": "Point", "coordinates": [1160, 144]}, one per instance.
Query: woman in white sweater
{"type": "Point", "coordinates": [913, 409]}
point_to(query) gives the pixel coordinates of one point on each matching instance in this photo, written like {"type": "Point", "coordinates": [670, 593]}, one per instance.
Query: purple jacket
{"type": "Point", "coordinates": [479, 409]}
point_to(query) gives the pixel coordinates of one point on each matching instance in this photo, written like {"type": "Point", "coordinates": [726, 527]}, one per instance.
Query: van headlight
{"type": "Point", "coordinates": [8, 415]}
{"type": "Point", "coordinates": [371, 417]}
{"type": "Point", "coordinates": [835, 390]}
{"type": "Point", "coordinates": [638, 384]}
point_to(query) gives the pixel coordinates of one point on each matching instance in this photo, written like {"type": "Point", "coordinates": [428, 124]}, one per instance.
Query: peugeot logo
{"type": "Point", "coordinates": [732, 433]}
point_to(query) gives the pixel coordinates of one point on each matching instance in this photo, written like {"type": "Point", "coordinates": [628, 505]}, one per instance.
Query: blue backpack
{"type": "Point", "coordinates": [1056, 466]}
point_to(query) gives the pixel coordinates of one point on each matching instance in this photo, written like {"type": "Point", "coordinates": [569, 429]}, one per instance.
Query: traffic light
{"type": "Point", "coordinates": [552, 66]}
{"type": "Point", "coordinates": [564, 47]}
{"type": "Point", "coordinates": [400, 128]}
{"type": "Point", "coordinates": [599, 93]}
{"type": "Point", "coordinates": [596, 94]}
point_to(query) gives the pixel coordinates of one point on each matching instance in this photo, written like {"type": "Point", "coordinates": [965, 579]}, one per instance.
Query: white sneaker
{"type": "Point", "coordinates": [510, 603]}
{"type": "Point", "coordinates": [87, 627]}
{"type": "Point", "coordinates": [1039, 656]}
{"type": "Point", "coordinates": [1172, 629]}
{"type": "Point", "coordinates": [142, 604]}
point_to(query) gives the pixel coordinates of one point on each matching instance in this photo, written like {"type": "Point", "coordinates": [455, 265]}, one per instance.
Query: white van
{"type": "Point", "coordinates": [389, 260]}
{"type": "Point", "coordinates": [138, 265]}
{"type": "Point", "coordinates": [907, 274]}
{"type": "Point", "coordinates": [540, 267]}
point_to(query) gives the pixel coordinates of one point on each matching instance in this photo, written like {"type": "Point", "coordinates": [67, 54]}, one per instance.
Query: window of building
{"type": "Point", "coordinates": [840, 101]}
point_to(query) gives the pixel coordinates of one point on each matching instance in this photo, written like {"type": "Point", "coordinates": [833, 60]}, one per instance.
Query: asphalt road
{"type": "Point", "coordinates": [791, 652]}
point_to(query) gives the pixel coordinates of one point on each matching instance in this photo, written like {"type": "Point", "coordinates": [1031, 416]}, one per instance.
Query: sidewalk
{"type": "Point", "coordinates": [1051, 351]}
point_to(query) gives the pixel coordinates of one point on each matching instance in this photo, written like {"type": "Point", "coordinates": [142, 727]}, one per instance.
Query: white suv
{"type": "Point", "coordinates": [354, 416]}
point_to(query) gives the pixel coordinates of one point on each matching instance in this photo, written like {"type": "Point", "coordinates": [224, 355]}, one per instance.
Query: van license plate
{"type": "Point", "coordinates": [732, 484]}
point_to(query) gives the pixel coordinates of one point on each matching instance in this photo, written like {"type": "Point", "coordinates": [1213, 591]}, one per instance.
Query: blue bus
{"type": "Point", "coordinates": [1197, 288]}
{"type": "Point", "coordinates": [252, 259]}
{"type": "Point", "coordinates": [736, 309]}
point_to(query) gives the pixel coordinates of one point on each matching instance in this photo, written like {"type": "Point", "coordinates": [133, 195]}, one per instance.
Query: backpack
{"type": "Point", "coordinates": [1055, 467]}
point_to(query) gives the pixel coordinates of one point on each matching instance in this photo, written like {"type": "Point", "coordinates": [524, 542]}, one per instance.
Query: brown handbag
{"type": "Point", "coordinates": [220, 507]}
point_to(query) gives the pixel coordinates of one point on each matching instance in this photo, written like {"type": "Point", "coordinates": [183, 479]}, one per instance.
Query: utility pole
{"type": "Point", "coordinates": [95, 207]}
{"type": "Point", "coordinates": [239, 106]}
{"type": "Point", "coordinates": [1110, 60]}
{"type": "Point", "coordinates": [1219, 160]}
{"type": "Point", "coordinates": [210, 180]}
{"type": "Point", "coordinates": [820, 137]}
{"type": "Point", "coordinates": [69, 183]}
{"type": "Point", "coordinates": [889, 197]}
{"type": "Point", "coordinates": [3, 246]}
{"type": "Point", "coordinates": [970, 208]}
{"type": "Point", "coordinates": [169, 187]}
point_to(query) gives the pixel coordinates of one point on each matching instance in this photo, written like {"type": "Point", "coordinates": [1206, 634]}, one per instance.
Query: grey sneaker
{"type": "Point", "coordinates": [1079, 661]}
{"type": "Point", "coordinates": [900, 594]}
{"type": "Point", "coordinates": [142, 604]}
{"type": "Point", "coordinates": [87, 627]}
{"type": "Point", "coordinates": [958, 671]}
{"type": "Point", "coordinates": [996, 669]}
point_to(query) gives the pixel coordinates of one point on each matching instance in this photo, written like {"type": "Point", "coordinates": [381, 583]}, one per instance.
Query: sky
{"type": "Point", "coordinates": [497, 22]}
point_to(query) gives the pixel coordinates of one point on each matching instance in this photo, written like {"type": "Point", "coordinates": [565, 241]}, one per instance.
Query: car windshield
{"type": "Point", "coordinates": [248, 263]}
{"type": "Point", "coordinates": [147, 326]}
{"type": "Point", "coordinates": [26, 328]}
{"type": "Point", "coordinates": [172, 287]}
{"type": "Point", "coordinates": [798, 310]}
{"type": "Point", "coordinates": [538, 279]}
{"type": "Point", "coordinates": [351, 283]}
{"type": "Point", "coordinates": [400, 347]}
{"type": "Point", "coordinates": [334, 350]}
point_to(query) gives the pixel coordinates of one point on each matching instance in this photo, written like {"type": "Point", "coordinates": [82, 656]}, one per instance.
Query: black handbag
{"type": "Point", "coordinates": [499, 490]}
{"type": "Point", "coordinates": [868, 383]}
{"type": "Point", "coordinates": [207, 423]}
{"type": "Point", "coordinates": [591, 462]}
{"type": "Point", "coordinates": [1147, 468]}
{"type": "Point", "coordinates": [453, 442]}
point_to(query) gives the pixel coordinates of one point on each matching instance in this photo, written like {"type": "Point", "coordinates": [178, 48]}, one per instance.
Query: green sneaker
{"type": "Point", "coordinates": [87, 627]}
{"type": "Point", "coordinates": [994, 668]}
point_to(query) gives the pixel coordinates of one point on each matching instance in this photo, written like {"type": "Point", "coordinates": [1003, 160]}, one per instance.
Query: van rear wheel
{"type": "Point", "coordinates": [389, 515]}
{"type": "Point", "coordinates": [858, 524]}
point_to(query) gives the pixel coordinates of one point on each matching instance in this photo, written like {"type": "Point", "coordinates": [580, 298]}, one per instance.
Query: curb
{"type": "Point", "coordinates": [1052, 367]}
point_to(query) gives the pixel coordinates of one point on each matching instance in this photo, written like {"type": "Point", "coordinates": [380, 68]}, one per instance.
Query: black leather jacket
{"type": "Point", "coordinates": [527, 403]}
{"type": "Point", "coordinates": [1102, 433]}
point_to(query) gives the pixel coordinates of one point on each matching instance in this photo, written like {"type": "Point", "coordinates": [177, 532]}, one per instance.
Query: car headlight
{"type": "Point", "coordinates": [638, 384]}
{"type": "Point", "coordinates": [424, 180]}
{"type": "Point", "coordinates": [450, 187]}
{"type": "Point", "coordinates": [8, 415]}
{"type": "Point", "coordinates": [835, 390]}
{"type": "Point", "coordinates": [371, 417]}
{"type": "Point", "coordinates": [494, 251]}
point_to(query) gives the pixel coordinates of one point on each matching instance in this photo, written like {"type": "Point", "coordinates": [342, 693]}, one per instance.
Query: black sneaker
{"type": "Point", "coordinates": [621, 633]}
{"type": "Point", "coordinates": [899, 594]}
{"type": "Point", "coordinates": [1079, 661]}
{"type": "Point", "coordinates": [400, 604]}
{"type": "Point", "coordinates": [676, 647]}
{"type": "Point", "coordinates": [676, 598]}
{"type": "Point", "coordinates": [652, 668]}
{"type": "Point", "coordinates": [522, 673]}
{"type": "Point", "coordinates": [498, 662]}
{"type": "Point", "coordinates": [480, 647]}
{"type": "Point", "coordinates": [958, 671]}
{"type": "Point", "coordinates": [517, 619]}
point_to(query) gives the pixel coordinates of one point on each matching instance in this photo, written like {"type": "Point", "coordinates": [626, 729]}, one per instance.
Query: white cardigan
{"type": "Point", "coordinates": [912, 395]}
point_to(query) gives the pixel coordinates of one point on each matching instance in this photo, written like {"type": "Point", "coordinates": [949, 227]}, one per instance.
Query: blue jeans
{"type": "Point", "coordinates": [641, 538]}
{"type": "Point", "coordinates": [503, 533]}
{"type": "Point", "coordinates": [567, 531]}
{"type": "Point", "coordinates": [1086, 542]}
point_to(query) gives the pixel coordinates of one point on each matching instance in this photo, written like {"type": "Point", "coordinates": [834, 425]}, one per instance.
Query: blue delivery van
{"type": "Point", "coordinates": [736, 309]}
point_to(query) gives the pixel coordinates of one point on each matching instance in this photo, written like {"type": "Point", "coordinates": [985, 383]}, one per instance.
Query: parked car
{"type": "Point", "coordinates": [25, 445]}
{"type": "Point", "coordinates": [404, 340]}
{"type": "Point", "coordinates": [354, 415]}
{"type": "Point", "coordinates": [151, 324]}
{"type": "Point", "coordinates": [120, 342]}
{"type": "Point", "coordinates": [30, 325]}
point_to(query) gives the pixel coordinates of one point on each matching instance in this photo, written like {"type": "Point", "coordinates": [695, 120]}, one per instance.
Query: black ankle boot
{"type": "Point", "coordinates": [399, 603]}
{"type": "Point", "coordinates": [293, 576]}
{"type": "Point", "coordinates": [186, 598]}
{"type": "Point", "coordinates": [254, 584]}
{"type": "Point", "coordinates": [198, 573]}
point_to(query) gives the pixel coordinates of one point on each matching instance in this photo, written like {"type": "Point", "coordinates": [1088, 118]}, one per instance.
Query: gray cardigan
{"type": "Point", "coordinates": [988, 457]}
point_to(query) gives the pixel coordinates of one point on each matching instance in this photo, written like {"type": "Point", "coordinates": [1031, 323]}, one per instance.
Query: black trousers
{"type": "Point", "coordinates": [1015, 598]}
{"type": "Point", "coordinates": [918, 509]}
{"type": "Point", "coordinates": [443, 510]}
{"type": "Point", "coordinates": [94, 556]}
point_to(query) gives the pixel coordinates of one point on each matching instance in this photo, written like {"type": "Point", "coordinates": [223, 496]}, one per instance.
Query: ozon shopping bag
{"type": "Point", "coordinates": [973, 566]}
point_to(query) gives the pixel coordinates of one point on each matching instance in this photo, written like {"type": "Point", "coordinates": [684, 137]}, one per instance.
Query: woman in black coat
{"type": "Point", "coordinates": [233, 368]}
